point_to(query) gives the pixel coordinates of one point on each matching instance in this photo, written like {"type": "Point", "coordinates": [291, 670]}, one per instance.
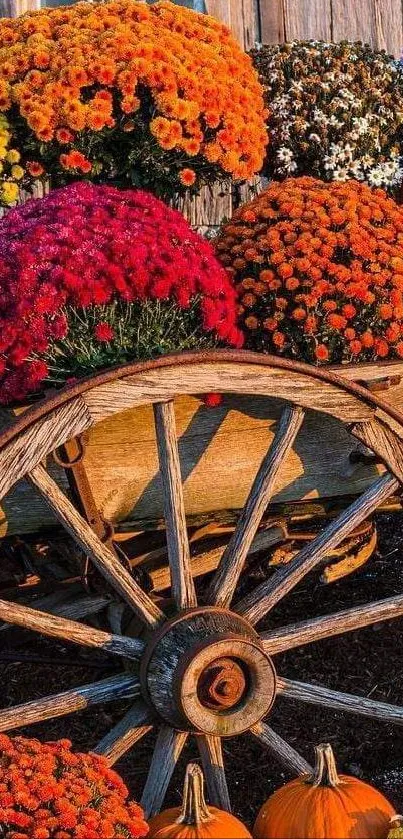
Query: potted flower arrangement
{"type": "Point", "coordinates": [334, 112]}
{"type": "Point", "coordinates": [153, 96]}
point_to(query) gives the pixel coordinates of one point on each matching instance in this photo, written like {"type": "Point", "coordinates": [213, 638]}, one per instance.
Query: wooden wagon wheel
{"type": "Point", "coordinates": [203, 670]}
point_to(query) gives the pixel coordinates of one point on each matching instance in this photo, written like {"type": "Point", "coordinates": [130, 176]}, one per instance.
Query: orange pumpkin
{"type": "Point", "coordinates": [324, 806]}
{"type": "Point", "coordinates": [194, 820]}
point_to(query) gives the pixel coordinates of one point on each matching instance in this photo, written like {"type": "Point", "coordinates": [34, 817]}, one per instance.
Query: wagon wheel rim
{"type": "Point", "coordinates": [222, 679]}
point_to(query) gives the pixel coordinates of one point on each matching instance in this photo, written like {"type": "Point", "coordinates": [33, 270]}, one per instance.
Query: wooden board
{"type": "Point", "coordinates": [377, 22]}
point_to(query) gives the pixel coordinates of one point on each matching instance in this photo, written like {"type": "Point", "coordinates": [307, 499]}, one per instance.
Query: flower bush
{"type": "Point", "coordinates": [318, 270]}
{"type": "Point", "coordinates": [12, 174]}
{"type": "Point", "coordinates": [335, 111]}
{"type": "Point", "coordinates": [48, 792]}
{"type": "Point", "coordinates": [157, 96]}
{"type": "Point", "coordinates": [92, 276]}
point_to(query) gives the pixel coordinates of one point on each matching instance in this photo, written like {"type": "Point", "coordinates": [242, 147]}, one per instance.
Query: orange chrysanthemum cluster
{"type": "Point", "coordinates": [134, 91]}
{"type": "Point", "coordinates": [319, 271]}
{"type": "Point", "coordinates": [47, 792]}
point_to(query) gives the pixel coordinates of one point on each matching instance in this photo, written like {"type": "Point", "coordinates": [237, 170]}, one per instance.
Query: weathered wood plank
{"type": "Point", "coordinates": [256, 605]}
{"type": "Point", "coordinates": [161, 385]}
{"type": "Point", "coordinates": [126, 733]}
{"type": "Point", "coordinates": [377, 22]}
{"type": "Point", "coordinates": [108, 690]}
{"type": "Point", "coordinates": [308, 19]}
{"type": "Point", "coordinates": [183, 589]}
{"type": "Point", "coordinates": [272, 23]}
{"type": "Point", "coordinates": [23, 453]}
{"type": "Point", "coordinates": [55, 626]}
{"type": "Point", "coordinates": [210, 749]}
{"type": "Point", "coordinates": [280, 749]}
{"type": "Point", "coordinates": [234, 556]}
{"type": "Point", "coordinates": [318, 695]}
{"type": "Point", "coordinates": [326, 626]}
{"type": "Point", "coordinates": [378, 437]}
{"type": "Point", "coordinates": [239, 16]}
{"type": "Point", "coordinates": [167, 750]}
{"type": "Point", "coordinates": [105, 560]}
{"type": "Point", "coordinates": [13, 8]}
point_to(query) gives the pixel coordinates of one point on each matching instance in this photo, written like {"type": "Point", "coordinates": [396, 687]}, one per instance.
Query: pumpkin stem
{"type": "Point", "coordinates": [325, 771]}
{"type": "Point", "coordinates": [194, 808]}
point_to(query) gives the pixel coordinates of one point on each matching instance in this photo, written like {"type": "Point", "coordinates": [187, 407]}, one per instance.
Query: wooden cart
{"type": "Point", "coordinates": [294, 462]}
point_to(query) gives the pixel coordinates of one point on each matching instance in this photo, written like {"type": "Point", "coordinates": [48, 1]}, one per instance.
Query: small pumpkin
{"type": "Point", "coordinates": [195, 820]}
{"type": "Point", "coordinates": [396, 827]}
{"type": "Point", "coordinates": [324, 805]}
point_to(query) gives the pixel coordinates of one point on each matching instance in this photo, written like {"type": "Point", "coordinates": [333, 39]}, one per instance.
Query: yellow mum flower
{"type": "Point", "coordinates": [13, 156]}
{"type": "Point", "coordinates": [17, 172]}
{"type": "Point", "coordinates": [9, 192]}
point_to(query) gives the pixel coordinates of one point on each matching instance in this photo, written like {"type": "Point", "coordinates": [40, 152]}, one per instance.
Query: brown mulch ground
{"type": "Point", "coordinates": [368, 662]}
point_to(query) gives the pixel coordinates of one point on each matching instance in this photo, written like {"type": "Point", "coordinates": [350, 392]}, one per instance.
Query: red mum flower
{"type": "Point", "coordinates": [104, 333]}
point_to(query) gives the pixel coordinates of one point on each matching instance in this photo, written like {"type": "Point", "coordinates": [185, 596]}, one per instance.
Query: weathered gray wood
{"type": "Point", "coordinates": [308, 631]}
{"type": "Point", "coordinates": [318, 695]}
{"type": "Point", "coordinates": [13, 8]}
{"type": "Point", "coordinates": [281, 750]}
{"type": "Point", "coordinates": [27, 450]}
{"type": "Point", "coordinates": [210, 748]}
{"type": "Point", "coordinates": [104, 559]}
{"type": "Point", "coordinates": [165, 756]}
{"type": "Point", "coordinates": [272, 23]}
{"type": "Point", "coordinates": [239, 16]}
{"type": "Point", "coordinates": [377, 22]}
{"type": "Point", "coordinates": [67, 630]}
{"type": "Point", "coordinates": [60, 704]}
{"type": "Point", "coordinates": [126, 733]}
{"type": "Point", "coordinates": [379, 437]}
{"type": "Point", "coordinates": [208, 561]}
{"type": "Point", "coordinates": [160, 385]}
{"type": "Point", "coordinates": [183, 589]}
{"type": "Point", "coordinates": [233, 559]}
{"type": "Point", "coordinates": [256, 605]}
{"type": "Point", "coordinates": [307, 19]}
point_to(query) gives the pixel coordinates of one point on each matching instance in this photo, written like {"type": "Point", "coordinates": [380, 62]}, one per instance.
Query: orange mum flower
{"type": "Point", "coordinates": [78, 792]}
{"type": "Point", "coordinates": [330, 269]}
{"type": "Point", "coordinates": [155, 62]}
{"type": "Point", "coordinates": [187, 177]}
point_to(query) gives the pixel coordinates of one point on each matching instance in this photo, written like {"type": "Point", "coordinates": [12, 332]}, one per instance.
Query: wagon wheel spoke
{"type": "Point", "coordinates": [233, 559]}
{"type": "Point", "coordinates": [104, 559]}
{"type": "Point", "coordinates": [60, 704]}
{"type": "Point", "coordinates": [165, 756]}
{"type": "Point", "coordinates": [256, 605]}
{"type": "Point", "coordinates": [210, 749]}
{"type": "Point", "coordinates": [126, 733]}
{"type": "Point", "coordinates": [308, 631]}
{"type": "Point", "coordinates": [68, 630]}
{"type": "Point", "coordinates": [318, 695]}
{"type": "Point", "coordinates": [285, 754]}
{"type": "Point", "coordinates": [182, 583]}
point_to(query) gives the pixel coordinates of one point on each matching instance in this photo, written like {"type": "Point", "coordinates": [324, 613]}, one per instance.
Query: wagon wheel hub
{"type": "Point", "coordinates": [222, 684]}
{"type": "Point", "coordinates": [206, 671]}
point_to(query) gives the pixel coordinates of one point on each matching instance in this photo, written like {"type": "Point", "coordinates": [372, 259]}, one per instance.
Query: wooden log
{"type": "Point", "coordinates": [256, 605]}
{"type": "Point", "coordinates": [183, 589]}
{"type": "Point", "coordinates": [108, 690]}
{"type": "Point", "coordinates": [326, 626]}
{"type": "Point", "coordinates": [234, 556]}
{"type": "Point", "coordinates": [126, 733]}
{"type": "Point", "coordinates": [167, 750]}
{"type": "Point", "coordinates": [280, 749]}
{"type": "Point", "coordinates": [104, 559]}
{"type": "Point", "coordinates": [210, 749]}
{"type": "Point", "coordinates": [376, 435]}
{"type": "Point", "coordinates": [333, 699]}
{"type": "Point", "coordinates": [68, 630]}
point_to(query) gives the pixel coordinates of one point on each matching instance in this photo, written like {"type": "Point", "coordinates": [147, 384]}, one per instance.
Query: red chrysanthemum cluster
{"type": "Point", "coordinates": [48, 792]}
{"type": "Point", "coordinates": [318, 270]}
{"type": "Point", "coordinates": [89, 246]}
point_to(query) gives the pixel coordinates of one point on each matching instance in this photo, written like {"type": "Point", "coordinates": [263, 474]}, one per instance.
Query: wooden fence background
{"type": "Point", "coordinates": [378, 22]}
